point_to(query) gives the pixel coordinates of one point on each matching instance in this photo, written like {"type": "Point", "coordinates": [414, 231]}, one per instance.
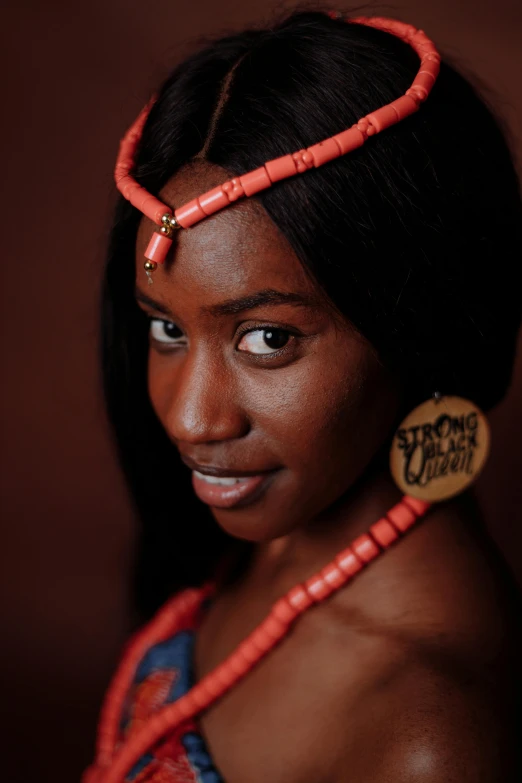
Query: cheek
{"type": "Point", "coordinates": [325, 414]}
{"type": "Point", "coordinates": [159, 380]}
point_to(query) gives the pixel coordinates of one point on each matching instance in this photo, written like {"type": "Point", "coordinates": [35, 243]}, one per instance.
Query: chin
{"type": "Point", "coordinates": [270, 511]}
{"type": "Point", "coordinates": [251, 523]}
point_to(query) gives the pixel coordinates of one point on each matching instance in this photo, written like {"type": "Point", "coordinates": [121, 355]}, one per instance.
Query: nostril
{"type": "Point", "coordinates": [196, 421]}
{"type": "Point", "coordinates": [196, 399]}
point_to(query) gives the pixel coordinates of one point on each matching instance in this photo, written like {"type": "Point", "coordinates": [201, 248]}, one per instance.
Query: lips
{"type": "Point", "coordinates": [227, 487]}
{"type": "Point", "coordinates": [225, 495]}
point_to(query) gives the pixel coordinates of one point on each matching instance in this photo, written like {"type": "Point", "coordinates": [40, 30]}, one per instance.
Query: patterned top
{"type": "Point", "coordinates": [164, 674]}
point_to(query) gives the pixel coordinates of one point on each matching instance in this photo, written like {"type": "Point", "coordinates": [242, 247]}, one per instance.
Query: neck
{"type": "Point", "coordinates": [311, 546]}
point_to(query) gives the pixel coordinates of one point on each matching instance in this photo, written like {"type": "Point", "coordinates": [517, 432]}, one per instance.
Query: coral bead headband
{"type": "Point", "coordinates": [280, 168]}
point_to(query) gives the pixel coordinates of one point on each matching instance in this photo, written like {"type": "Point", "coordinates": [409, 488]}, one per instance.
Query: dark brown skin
{"type": "Point", "coordinates": [408, 673]}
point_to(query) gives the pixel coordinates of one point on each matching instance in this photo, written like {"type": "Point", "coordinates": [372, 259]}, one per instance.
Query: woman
{"type": "Point", "coordinates": [255, 389]}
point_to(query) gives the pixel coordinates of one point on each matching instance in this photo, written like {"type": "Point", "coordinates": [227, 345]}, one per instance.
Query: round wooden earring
{"type": "Point", "coordinates": [440, 448]}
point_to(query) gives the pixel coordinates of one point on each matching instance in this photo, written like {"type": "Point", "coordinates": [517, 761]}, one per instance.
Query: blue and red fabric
{"type": "Point", "coordinates": [164, 674]}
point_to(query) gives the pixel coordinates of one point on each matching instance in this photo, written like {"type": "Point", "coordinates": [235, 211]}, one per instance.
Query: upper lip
{"type": "Point", "coordinates": [212, 470]}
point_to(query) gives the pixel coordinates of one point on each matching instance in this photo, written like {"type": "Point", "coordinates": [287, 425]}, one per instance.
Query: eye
{"type": "Point", "coordinates": [165, 331]}
{"type": "Point", "coordinates": [264, 341]}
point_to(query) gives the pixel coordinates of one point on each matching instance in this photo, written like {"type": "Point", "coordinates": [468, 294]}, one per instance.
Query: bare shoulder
{"type": "Point", "coordinates": [423, 704]}
{"type": "Point", "coordinates": [428, 726]}
{"type": "Point", "coordinates": [440, 658]}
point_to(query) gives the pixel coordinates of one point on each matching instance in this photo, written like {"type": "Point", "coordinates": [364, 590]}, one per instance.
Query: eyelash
{"type": "Point", "coordinates": [293, 335]}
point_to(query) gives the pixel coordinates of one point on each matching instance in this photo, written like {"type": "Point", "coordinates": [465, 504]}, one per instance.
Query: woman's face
{"type": "Point", "coordinates": [274, 404]}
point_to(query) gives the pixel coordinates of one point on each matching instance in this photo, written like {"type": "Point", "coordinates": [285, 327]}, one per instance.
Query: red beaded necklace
{"type": "Point", "coordinates": [113, 761]}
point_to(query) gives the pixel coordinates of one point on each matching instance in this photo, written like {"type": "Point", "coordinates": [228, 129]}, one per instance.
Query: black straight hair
{"type": "Point", "coordinates": [414, 237]}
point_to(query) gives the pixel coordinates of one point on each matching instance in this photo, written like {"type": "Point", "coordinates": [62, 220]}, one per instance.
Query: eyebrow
{"type": "Point", "coordinates": [259, 299]}
{"type": "Point", "coordinates": [152, 303]}
{"type": "Point", "coordinates": [268, 297]}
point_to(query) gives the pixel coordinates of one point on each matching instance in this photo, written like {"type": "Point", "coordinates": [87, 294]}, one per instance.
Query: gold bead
{"type": "Point", "coordinates": [173, 223]}
{"type": "Point", "coordinates": [166, 231]}
{"type": "Point", "coordinates": [149, 265]}
{"type": "Point", "coordinates": [165, 219]}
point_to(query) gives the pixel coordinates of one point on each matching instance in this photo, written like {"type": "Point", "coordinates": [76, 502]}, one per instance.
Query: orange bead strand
{"type": "Point", "coordinates": [114, 762]}
{"type": "Point", "coordinates": [288, 165]}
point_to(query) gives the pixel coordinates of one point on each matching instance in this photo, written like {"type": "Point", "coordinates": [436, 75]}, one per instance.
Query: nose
{"type": "Point", "coordinates": [201, 402]}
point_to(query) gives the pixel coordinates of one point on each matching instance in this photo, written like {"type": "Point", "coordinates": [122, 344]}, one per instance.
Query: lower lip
{"type": "Point", "coordinates": [221, 496]}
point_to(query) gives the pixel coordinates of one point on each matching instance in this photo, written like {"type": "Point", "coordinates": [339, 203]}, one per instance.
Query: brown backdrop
{"type": "Point", "coordinates": [75, 76]}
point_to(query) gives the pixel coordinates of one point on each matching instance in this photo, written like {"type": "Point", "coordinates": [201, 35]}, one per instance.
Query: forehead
{"type": "Point", "coordinates": [234, 252]}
